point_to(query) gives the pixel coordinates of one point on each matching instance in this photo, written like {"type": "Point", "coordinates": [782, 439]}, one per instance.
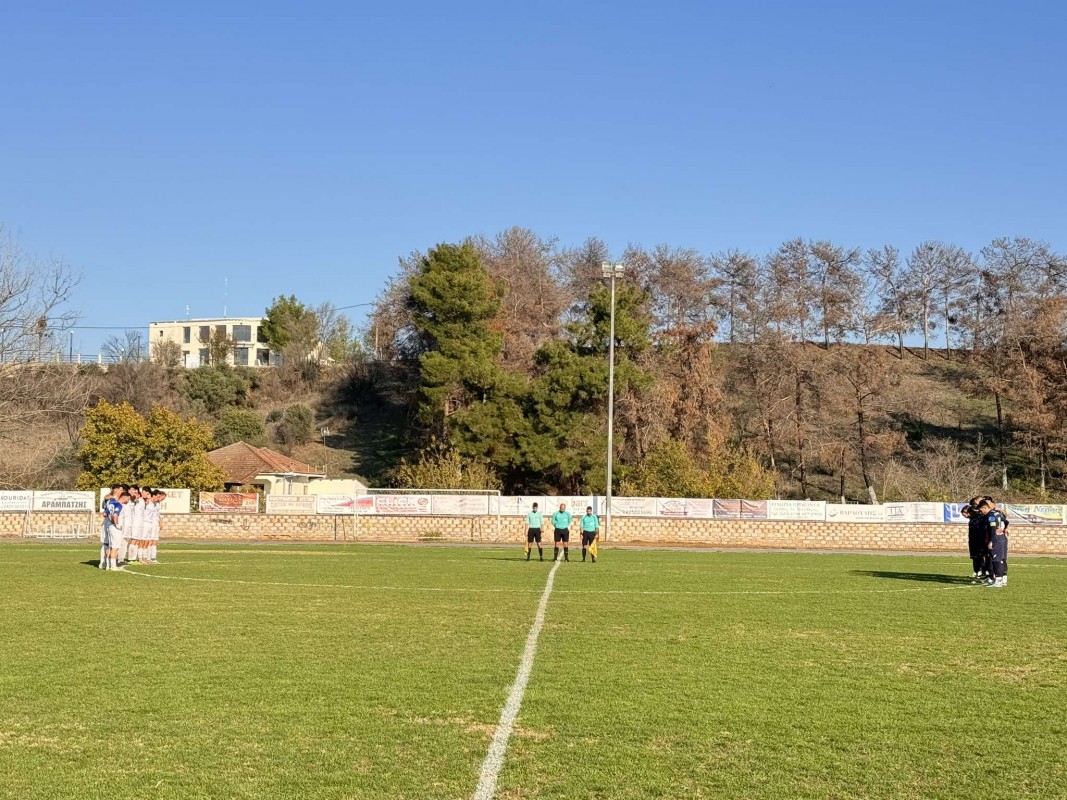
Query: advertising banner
{"type": "Point", "coordinates": [683, 507]}
{"type": "Point", "coordinates": [726, 509]}
{"type": "Point", "coordinates": [952, 513]}
{"type": "Point", "coordinates": [229, 503]}
{"type": "Point", "coordinates": [460, 505]}
{"type": "Point", "coordinates": [290, 504]}
{"type": "Point", "coordinates": [518, 505]}
{"type": "Point", "coordinates": [753, 509]}
{"type": "Point", "coordinates": [796, 509]}
{"type": "Point", "coordinates": [404, 504]}
{"type": "Point", "coordinates": [854, 513]}
{"type": "Point", "coordinates": [633, 506]}
{"type": "Point", "coordinates": [344, 504]}
{"type": "Point", "coordinates": [64, 501]}
{"type": "Point", "coordinates": [1034, 514]}
{"type": "Point", "coordinates": [177, 501]}
{"type": "Point", "coordinates": [16, 500]}
{"type": "Point", "coordinates": [915, 512]}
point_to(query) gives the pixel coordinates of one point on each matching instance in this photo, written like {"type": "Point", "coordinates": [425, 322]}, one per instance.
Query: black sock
{"type": "Point", "coordinates": [555, 553]}
{"type": "Point", "coordinates": [583, 553]}
{"type": "Point", "coordinates": [566, 554]}
{"type": "Point", "coordinates": [540, 553]}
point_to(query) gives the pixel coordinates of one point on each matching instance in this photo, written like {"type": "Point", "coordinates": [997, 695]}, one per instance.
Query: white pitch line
{"type": "Point", "coordinates": [469, 590]}
{"type": "Point", "coordinates": [494, 759]}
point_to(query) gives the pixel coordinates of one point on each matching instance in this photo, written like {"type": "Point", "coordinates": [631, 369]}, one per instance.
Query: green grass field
{"type": "Point", "coordinates": [380, 672]}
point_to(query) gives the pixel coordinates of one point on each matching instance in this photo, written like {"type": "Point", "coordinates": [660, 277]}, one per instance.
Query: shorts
{"type": "Point", "coordinates": [588, 537]}
{"type": "Point", "coordinates": [561, 535]}
{"type": "Point", "coordinates": [114, 539]}
{"type": "Point", "coordinates": [533, 535]}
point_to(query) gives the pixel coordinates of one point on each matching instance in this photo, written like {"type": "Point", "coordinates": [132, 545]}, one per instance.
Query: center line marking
{"type": "Point", "coordinates": [494, 759]}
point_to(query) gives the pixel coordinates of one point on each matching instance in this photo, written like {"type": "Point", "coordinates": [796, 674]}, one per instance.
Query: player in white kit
{"type": "Point", "coordinates": [152, 514]}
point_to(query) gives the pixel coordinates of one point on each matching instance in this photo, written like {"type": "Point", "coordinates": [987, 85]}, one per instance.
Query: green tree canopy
{"type": "Point", "coordinates": [453, 304]}
{"type": "Point", "coordinates": [239, 425]}
{"type": "Point", "coordinates": [287, 322]}
{"type": "Point", "coordinates": [120, 446]}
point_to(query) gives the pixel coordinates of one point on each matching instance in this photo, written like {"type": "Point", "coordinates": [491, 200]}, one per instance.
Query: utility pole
{"type": "Point", "coordinates": [610, 271]}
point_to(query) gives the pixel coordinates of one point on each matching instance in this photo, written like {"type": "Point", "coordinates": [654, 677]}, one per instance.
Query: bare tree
{"type": "Point", "coordinates": [739, 296]}
{"type": "Point", "coordinates": [836, 282]}
{"type": "Point", "coordinates": [218, 345]}
{"type": "Point", "coordinates": [679, 285]}
{"type": "Point", "coordinates": [895, 305]}
{"type": "Point", "coordinates": [126, 349]}
{"type": "Point", "coordinates": [33, 298]}
{"type": "Point", "coordinates": [533, 303]}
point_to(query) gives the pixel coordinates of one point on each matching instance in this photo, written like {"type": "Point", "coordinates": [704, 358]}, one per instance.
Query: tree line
{"type": "Point", "coordinates": [814, 370]}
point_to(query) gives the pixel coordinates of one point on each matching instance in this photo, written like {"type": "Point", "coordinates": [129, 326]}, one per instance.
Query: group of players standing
{"type": "Point", "coordinates": [987, 540]}
{"type": "Point", "coordinates": [131, 525]}
{"type": "Point", "coordinates": [561, 532]}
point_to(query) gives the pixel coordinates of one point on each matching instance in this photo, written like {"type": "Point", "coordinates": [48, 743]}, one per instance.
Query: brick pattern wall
{"type": "Point", "coordinates": [625, 530]}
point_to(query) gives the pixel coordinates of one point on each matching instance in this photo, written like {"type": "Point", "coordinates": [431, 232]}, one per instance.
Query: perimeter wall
{"type": "Point", "coordinates": [801, 534]}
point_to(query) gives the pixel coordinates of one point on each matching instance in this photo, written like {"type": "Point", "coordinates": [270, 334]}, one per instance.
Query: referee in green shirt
{"type": "Point", "coordinates": [534, 521]}
{"type": "Point", "coordinates": [590, 530]}
{"type": "Point", "coordinates": [561, 524]}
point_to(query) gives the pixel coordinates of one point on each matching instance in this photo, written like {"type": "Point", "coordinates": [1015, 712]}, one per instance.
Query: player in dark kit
{"type": "Point", "coordinates": [998, 543]}
{"type": "Point", "coordinates": [977, 540]}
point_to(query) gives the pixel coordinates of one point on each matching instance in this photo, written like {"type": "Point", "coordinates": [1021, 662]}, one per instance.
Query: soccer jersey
{"type": "Point", "coordinates": [562, 519]}
{"type": "Point", "coordinates": [126, 520]}
{"type": "Point", "coordinates": [137, 529]}
{"type": "Point", "coordinates": [535, 519]}
{"type": "Point", "coordinates": [151, 520]}
{"type": "Point", "coordinates": [590, 523]}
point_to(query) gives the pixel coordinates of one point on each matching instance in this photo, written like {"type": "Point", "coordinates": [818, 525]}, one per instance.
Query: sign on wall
{"type": "Point", "coordinates": [854, 513]}
{"type": "Point", "coordinates": [633, 506]}
{"type": "Point", "coordinates": [16, 500]}
{"type": "Point", "coordinates": [290, 504]}
{"type": "Point", "coordinates": [229, 503]}
{"type": "Point", "coordinates": [796, 509]}
{"type": "Point", "coordinates": [460, 505]}
{"type": "Point", "coordinates": [64, 501]}
{"type": "Point", "coordinates": [405, 504]}
{"type": "Point", "coordinates": [1034, 514]}
{"type": "Point", "coordinates": [915, 512]}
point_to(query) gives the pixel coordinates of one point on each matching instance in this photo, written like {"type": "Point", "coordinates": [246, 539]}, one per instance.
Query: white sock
{"type": "Point", "coordinates": [152, 552]}
{"type": "Point", "coordinates": [103, 556]}
{"type": "Point", "coordinates": [132, 552]}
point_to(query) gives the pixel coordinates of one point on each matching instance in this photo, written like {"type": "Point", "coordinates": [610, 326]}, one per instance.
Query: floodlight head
{"type": "Point", "coordinates": [608, 270]}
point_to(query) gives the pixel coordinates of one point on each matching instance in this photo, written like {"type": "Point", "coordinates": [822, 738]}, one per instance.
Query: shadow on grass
{"type": "Point", "coordinates": [93, 562]}
{"type": "Point", "coordinates": [921, 577]}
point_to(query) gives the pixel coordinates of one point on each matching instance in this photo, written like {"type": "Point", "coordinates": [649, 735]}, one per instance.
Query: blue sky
{"type": "Point", "coordinates": [302, 148]}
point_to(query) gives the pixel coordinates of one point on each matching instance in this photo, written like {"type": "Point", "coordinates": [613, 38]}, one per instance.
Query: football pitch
{"type": "Point", "coordinates": [374, 671]}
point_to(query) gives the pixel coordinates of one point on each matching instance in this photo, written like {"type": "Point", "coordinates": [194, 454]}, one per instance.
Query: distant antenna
{"type": "Point", "coordinates": [187, 311]}
{"type": "Point", "coordinates": [225, 294]}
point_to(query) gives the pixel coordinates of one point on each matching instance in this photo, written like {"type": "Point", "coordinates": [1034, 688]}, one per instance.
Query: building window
{"type": "Point", "coordinates": [242, 333]}
{"type": "Point", "coordinates": [262, 358]}
{"type": "Point", "coordinates": [205, 333]}
{"type": "Point", "coordinates": [261, 335]}
{"type": "Point", "coordinates": [220, 331]}
{"type": "Point", "coordinates": [186, 333]}
{"type": "Point", "coordinates": [205, 356]}
{"type": "Point", "coordinates": [185, 357]}
{"type": "Point", "coordinates": [240, 356]}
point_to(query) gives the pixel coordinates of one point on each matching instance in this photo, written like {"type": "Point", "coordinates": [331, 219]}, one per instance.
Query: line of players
{"type": "Point", "coordinates": [131, 525]}
{"type": "Point", "coordinates": [987, 540]}
{"type": "Point", "coordinates": [561, 532]}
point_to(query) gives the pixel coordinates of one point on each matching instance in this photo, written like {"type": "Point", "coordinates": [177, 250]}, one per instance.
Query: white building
{"type": "Point", "coordinates": [246, 333]}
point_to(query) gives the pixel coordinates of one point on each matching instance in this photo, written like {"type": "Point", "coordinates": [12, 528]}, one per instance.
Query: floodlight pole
{"type": "Point", "coordinates": [610, 271]}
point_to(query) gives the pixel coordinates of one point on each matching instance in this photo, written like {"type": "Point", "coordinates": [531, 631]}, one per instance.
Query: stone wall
{"type": "Point", "coordinates": [625, 530]}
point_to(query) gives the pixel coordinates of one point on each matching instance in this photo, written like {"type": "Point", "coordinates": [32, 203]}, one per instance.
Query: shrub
{"type": "Point", "coordinates": [238, 425]}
